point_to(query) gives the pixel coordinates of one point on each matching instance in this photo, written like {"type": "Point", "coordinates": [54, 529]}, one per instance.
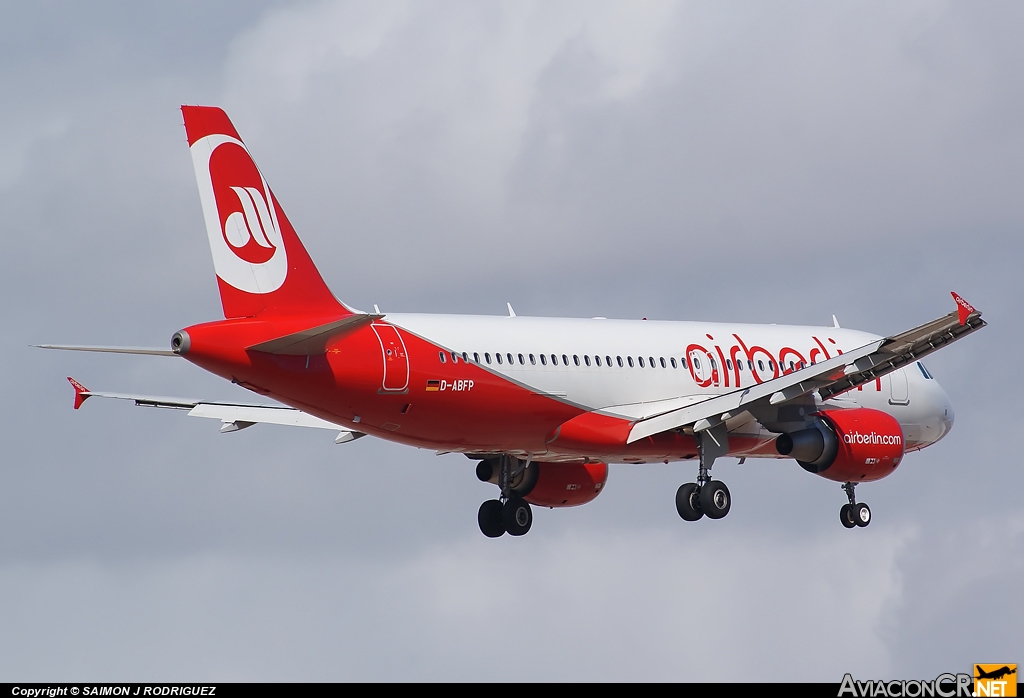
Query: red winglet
{"type": "Point", "coordinates": [81, 392]}
{"type": "Point", "coordinates": [963, 308]}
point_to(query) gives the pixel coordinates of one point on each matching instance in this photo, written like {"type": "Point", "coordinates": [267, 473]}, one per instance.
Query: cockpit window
{"type": "Point", "coordinates": [924, 371]}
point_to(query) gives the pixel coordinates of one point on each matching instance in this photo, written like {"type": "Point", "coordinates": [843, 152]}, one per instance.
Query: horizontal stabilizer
{"type": "Point", "coordinates": [314, 341]}
{"type": "Point", "coordinates": [148, 351]}
{"type": "Point", "coordinates": [234, 416]}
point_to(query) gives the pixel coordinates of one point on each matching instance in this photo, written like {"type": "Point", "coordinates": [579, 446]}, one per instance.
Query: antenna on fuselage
{"type": "Point", "coordinates": [835, 323]}
{"type": "Point", "coordinates": [511, 313]}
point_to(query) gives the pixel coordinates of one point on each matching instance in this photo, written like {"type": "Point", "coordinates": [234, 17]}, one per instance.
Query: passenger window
{"type": "Point", "coordinates": [750, 364]}
{"type": "Point", "coordinates": [576, 359]}
{"type": "Point", "coordinates": [771, 365]}
{"type": "Point", "coordinates": [455, 357]}
{"type": "Point", "coordinates": [673, 362]}
{"type": "Point", "coordinates": [760, 365]}
{"type": "Point", "coordinates": [597, 360]}
{"type": "Point", "coordinates": [650, 362]}
{"type": "Point", "coordinates": [533, 360]}
{"type": "Point", "coordinates": [640, 360]}
{"type": "Point", "coordinates": [465, 357]}
{"type": "Point", "coordinates": [661, 360]}
{"type": "Point", "coordinates": [586, 359]}
{"type": "Point", "coordinates": [543, 360]}
{"type": "Point", "coordinates": [714, 366]}
{"type": "Point", "coordinates": [629, 360]}
{"type": "Point", "coordinates": [443, 359]}
{"type": "Point", "coordinates": [696, 363]}
{"type": "Point", "coordinates": [554, 360]}
{"type": "Point", "coordinates": [522, 362]}
{"type": "Point", "coordinates": [565, 359]}
{"type": "Point", "coordinates": [498, 357]}
{"type": "Point", "coordinates": [608, 361]}
{"type": "Point", "coordinates": [510, 359]}
{"type": "Point", "coordinates": [739, 365]}
{"type": "Point", "coordinates": [682, 362]}
{"type": "Point", "coordinates": [487, 357]}
{"type": "Point", "coordinates": [476, 357]}
{"type": "Point", "coordinates": [728, 364]}
{"type": "Point", "coordinates": [618, 360]}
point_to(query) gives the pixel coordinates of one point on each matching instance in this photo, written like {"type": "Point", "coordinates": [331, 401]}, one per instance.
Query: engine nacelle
{"type": "Point", "coordinates": [857, 445]}
{"type": "Point", "coordinates": [552, 484]}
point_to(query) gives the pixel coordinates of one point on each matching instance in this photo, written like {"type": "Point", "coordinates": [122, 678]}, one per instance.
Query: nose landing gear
{"type": "Point", "coordinates": [706, 497]}
{"type": "Point", "coordinates": [854, 514]}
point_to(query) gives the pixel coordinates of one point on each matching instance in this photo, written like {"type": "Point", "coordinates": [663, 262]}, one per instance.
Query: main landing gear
{"type": "Point", "coordinates": [854, 514]}
{"type": "Point", "coordinates": [706, 497]}
{"type": "Point", "coordinates": [511, 513]}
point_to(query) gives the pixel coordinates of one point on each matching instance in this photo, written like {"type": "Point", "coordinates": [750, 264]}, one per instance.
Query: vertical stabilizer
{"type": "Point", "coordinates": [262, 267]}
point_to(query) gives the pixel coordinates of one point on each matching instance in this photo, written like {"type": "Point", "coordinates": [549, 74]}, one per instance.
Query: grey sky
{"type": "Point", "coordinates": [744, 161]}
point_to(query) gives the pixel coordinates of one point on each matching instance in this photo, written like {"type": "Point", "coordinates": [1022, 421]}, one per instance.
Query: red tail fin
{"type": "Point", "coordinates": [261, 265]}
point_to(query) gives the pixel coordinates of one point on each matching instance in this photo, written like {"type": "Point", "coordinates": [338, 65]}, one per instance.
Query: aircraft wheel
{"type": "Point", "coordinates": [688, 502]}
{"type": "Point", "coordinates": [846, 516]}
{"type": "Point", "coordinates": [861, 514]}
{"type": "Point", "coordinates": [715, 500]}
{"type": "Point", "coordinates": [517, 516]}
{"type": "Point", "coordinates": [490, 519]}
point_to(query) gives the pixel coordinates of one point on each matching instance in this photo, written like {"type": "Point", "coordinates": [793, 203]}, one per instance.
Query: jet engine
{"type": "Point", "coordinates": [857, 445]}
{"type": "Point", "coordinates": [552, 484]}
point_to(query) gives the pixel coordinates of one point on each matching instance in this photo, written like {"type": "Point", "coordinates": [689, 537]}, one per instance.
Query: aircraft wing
{"type": "Point", "coordinates": [828, 378]}
{"type": "Point", "coordinates": [234, 416]}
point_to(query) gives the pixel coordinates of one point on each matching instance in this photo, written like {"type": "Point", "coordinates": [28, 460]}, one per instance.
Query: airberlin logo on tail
{"type": "Point", "coordinates": [240, 214]}
{"type": "Point", "coordinates": [873, 438]}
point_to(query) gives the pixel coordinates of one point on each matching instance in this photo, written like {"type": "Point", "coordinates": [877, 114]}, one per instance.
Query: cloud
{"type": "Point", "coordinates": [579, 605]}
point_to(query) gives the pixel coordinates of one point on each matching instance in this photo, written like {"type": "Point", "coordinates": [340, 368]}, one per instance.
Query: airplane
{"type": "Point", "coordinates": [996, 674]}
{"type": "Point", "coordinates": [542, 404]}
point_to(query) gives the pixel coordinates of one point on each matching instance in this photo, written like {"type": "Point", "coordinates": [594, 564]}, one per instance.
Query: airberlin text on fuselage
{"type": "Point", "coordinates": [720, 373]}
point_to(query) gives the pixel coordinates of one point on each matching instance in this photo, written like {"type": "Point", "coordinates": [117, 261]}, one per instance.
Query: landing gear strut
{"type": "Point", "coordinates": [854, 514]}
{"type": "Point", "coordinates": [510, 513]}
{"type": "Point", "coordinates": [706, 497]}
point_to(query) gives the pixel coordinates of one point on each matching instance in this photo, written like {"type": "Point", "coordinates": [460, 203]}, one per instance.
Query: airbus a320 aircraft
{"type": "Point", "coordinates": [544, 404]}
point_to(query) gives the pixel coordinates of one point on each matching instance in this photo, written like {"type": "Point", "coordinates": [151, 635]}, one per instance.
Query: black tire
{"type": "Point", "coordinates": [861, 514]}
{"type": "Point", "coordinates": [489, 517]}
{"type": "Point", "coordinates": [715, 500]}
{"type": "Point", "coordinates": [517, 516]}
{"type": "Point", "coordinates": [846, 516]}
{"type": "Point", "coordinates": [688, 502]}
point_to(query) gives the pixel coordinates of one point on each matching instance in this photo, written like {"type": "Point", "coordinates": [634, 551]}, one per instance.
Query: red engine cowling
{"type": "Point", "coordinates": [856, 445]}
{"type": "Point", "coordinates": [567, 484]}
{"type": "Point", "coordinates": [552, 484]}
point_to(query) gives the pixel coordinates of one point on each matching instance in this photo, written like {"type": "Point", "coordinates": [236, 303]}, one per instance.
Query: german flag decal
{"type": "Point", "coordinates": [433, 386]}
